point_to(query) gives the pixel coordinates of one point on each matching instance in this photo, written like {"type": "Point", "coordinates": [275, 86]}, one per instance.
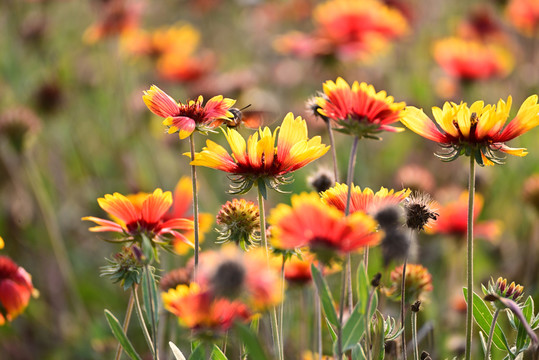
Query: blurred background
{"type": "Point", "coordinates": [73, 127]}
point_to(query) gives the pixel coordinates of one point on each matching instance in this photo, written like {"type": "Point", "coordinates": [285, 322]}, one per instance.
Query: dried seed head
{"type": "Point", "coordinates": [239, 221]}
{"type": "Point", "coordinates": [425, 356]}
{"type": "Point", "coordinates": [311, 107]}
{"type": "Point", "coordinates": [389, 217]}
{"type": "Point", "coordinates": [375, 282]}
{"type": "Point", "coordinates": [415, 307]}
{"type": "Point", "coordinates": [420, 211]}
{"type": "Point", "coordinates": [322, 180]}
{"type": "Point", "coordinates": [395, 245]}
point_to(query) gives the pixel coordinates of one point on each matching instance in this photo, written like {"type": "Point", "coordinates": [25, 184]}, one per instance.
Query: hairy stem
{"type": "Point", "coordinates": [491, 334]}
{"type": "Point", "coordinates": [195, 203]}
{"type": "Point", "coordinates": [128, 313]}
{"type": "Point", "coordinates": [349, 180]}
{"type": "Point", "coordinates": [140, 316]}
{"type": "Point", "coordinates": [403, 301]}
{"type": "Point", "coordinates": [469, 272]}
{"type": "Point", "coordinates": [414, 335]}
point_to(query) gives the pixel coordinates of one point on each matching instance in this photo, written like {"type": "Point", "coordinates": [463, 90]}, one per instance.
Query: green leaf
{"type": "Point", "coordinates": [483, 342]}
{"type": "Point", "coordinates": [119, 334]}
{"type": "Point", "coordinates": [254, 348]}
{"type": "Point", "coordinates": [331, 330]}
{"type": "Point", "coordinates": [358, 353]}
{"type": "Point", "coordinates": [217, 354]}
{"type": "Point", "coordinates": [149, 295]}
{"type": "Point", "coordinates": [363, 284]}
{"type": "Point", "coordinates": [325, 296]}
{"type": "Point", "coordinates": [378, 340]}
{"type": "Point", "coordinates": [147, 249]}
{"type": "Point", "coordinates": [175, 351]}
{"type": "Point", "coordinates": [522, 334]}
{"type": "Point", "coordinates": [483, 318]}
{"type": "Point", "coordinates": [262, 188]}
{"type": "Point", "coordinates": [353, 329]}
{"type": "Point", "coordinates": [199, 353]}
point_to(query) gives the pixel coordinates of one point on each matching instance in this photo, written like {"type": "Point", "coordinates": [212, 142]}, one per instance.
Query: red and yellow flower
{"type": "Point", "coordinates": [15, 289]}
{"type": "Point", "coordinates": [200, 311]}
{"type": "Point", "coordinates": [453, 219]}
{"type": "Point", "coordinates": [310, 222]}
{"type": "Point", "coordinates": [524, 15]}
{"type": "Point", "coordinates": [359, 109]}
{"type": "Point", "coordinates": [260, 159]}
{"type": "Point", "coordinates": [117, 17]}
{"type": "Point", "coordinates": [477, 130]}
{"type": "Point", "coordinates": [366, 201]}
{"type": "Point", "coordinates": [186, 118]}
{"type": "Point", "coordinates": [470, 59]}
{"type": "Point", "coordinates": [141, 214]}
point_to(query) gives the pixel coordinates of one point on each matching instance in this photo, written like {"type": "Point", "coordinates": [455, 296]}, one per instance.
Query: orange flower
{"type": "Point", "coordinates": [359, 109]}
{"type": "Point", "coordinates": [182, 206]}
{"type": "Point", "coordinates": [524, 15]}
{"type": "Point", "coordinates": [453, 219]}
{"type": "Point", "coordinates": [472, 59]}
{"type": "Point", "coordinates": [310, 222]}
{"type": "Point", "coordinates": [365, 201]}
{"type": "Point", "coordinates": [200, 311]}
{"type": "Point", "coordinates": [142, 214]}
{"type": "Point", "coordinates": [417, 282]}
{"type": "Point", "coordinates": [298, 271]}
{"type": "Point", "coordinates": [186, 118]}
{"type": "Point", "coordinates": [477, 131]}
{"type": "Point", "coordinates": [15, 289]}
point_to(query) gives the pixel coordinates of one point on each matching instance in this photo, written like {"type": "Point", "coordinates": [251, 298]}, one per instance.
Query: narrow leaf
{"type": "Point", "coordinates": [353, 329]}
{"type": "Point", "coordinates": [217, 354]}
{"type": "Point", "coordinates": [331, 330]}
{"type": "Point", "coordinates": [363, 284]}
{"type": "Point", "coordinates": [119, 334]}
{"type": "Point", "coordinates": [254, 348]}
{"type": "Point", "coordinates": [325, 296]}
{"type": "Point", "coordinates": [358, 353]}
{"type": "Point", "coordinates": [483, 318]}
{"type": "Point", "coordinates": [378, 342]}
{"type": "Point", "coordinates": [199, 353]}
{"type": "Point", "coordinates": [149, 295]}
{"type": "Point", "coordinates": [175, 351]}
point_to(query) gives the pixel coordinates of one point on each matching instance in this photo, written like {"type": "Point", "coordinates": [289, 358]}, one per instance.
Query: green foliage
{"type": "Point", "coordinates": [120, 335]}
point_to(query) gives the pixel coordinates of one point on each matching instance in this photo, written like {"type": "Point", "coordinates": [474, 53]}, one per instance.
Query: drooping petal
{"type": "Point", "coordinates": [104, 225]}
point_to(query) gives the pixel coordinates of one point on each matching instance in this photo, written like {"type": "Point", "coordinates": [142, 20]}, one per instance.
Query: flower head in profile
{"type": "Point", "coordinates": [479, 130]}
{"type": "Point", "coordinates": [452, 219]}
{"type": "Point", "coordinates": [198, 310]}
{"type": "Point", "coordinates": [265, 158]}
{"type": "Point", "coordinates": [186, 118]}
{"type": "Point", "coordinates": [501, 288]}
{"type": "Point", "coordinates": [324, 229]}
{"type": "Point", "coordinates": [364, 200]}
{"type": "Point", "coordinates": [417, 283]}
{"type": "Point", "coordinates": [470, 59]}
{"type": "Point", "coordinates": [140, 215]}
{"type": "Point", "coordinates": [15, 289]}
{"type": "Point", "coordinates": [239, 222]}
{"type": "Point", "coordinates": [359, 110]}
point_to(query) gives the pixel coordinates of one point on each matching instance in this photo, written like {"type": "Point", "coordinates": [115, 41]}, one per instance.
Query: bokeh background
{"type": "Point", "coordinates": [73, 127]}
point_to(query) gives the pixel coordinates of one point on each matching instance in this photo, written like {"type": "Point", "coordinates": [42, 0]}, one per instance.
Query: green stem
{"type": "Point", "coordinates": [140, 316]}
{"type": "Point", "coordinates": [273, 323]}
{"type": "Point", "coordinates": [491, 334]}
{"type": "Point", "coordinates": [403, 285]}
{"type": "Point", "coordinates": [349, 179]}
{"type": "Point", "coordinates": [152, 315]}
{"type": "Point", "coordinates": [414, 335]}
{"type": "Point", "coordinates": [282, 307]}
{"type": "Point", "coordinates": [318, 314]}
{"type": "Point", "coordinates": [367, 323]}
{"type": "Point", "coordinates": [469, 272]}
{"type": "Point", "coordinates": [195, 203]}
{"type": "Point", "coordinates": [128, 313]}
{"type": "Point", "coordinates": [341, 314]}
{"type": "Point", "coordinates": [333, 151]}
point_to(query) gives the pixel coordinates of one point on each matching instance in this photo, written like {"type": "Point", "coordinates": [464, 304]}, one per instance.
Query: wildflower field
{"type": "Point", "coordinates": [250, 179]}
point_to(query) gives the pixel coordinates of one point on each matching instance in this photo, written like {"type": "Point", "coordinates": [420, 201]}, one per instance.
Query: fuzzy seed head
{"type": "Point", "coordinates": [229, 279]}
{"type": "Point", "coordinates": [420, 211]}
{"type": "Point", "coordinates": [322, 180]}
